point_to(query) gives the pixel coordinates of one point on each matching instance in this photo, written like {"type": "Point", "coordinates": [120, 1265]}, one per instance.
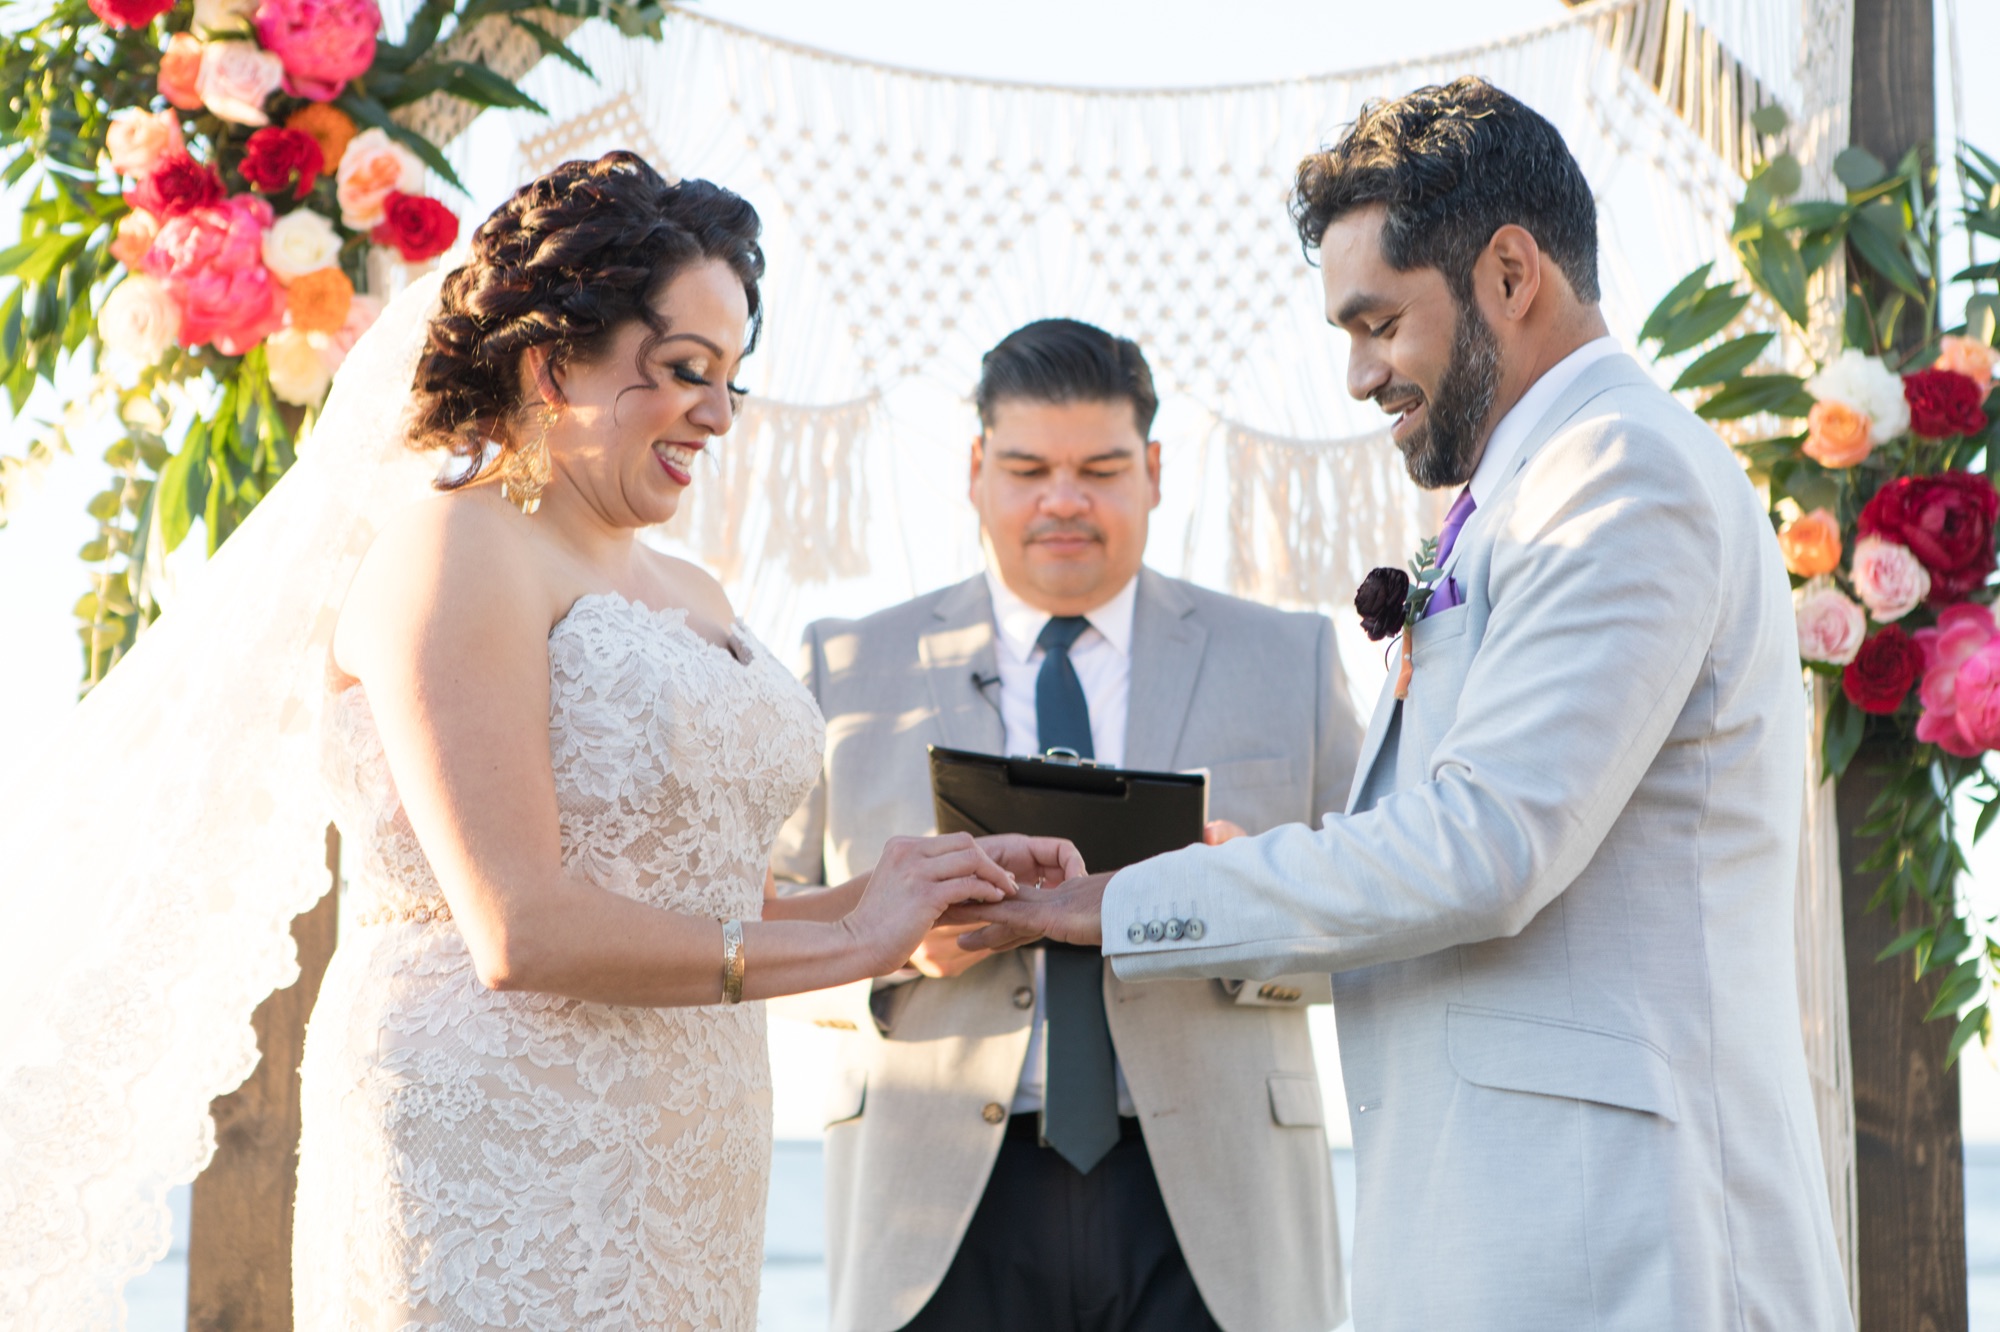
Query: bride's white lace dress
{"type": "Point", "coordinates": [474, 1159]}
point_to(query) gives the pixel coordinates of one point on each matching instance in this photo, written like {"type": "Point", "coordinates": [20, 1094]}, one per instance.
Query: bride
{"type": "Point", "coordinates": [533, 1094]}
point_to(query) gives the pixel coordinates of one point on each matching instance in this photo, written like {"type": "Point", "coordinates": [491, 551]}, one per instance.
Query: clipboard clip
{"type": "Point", "coordinates": [1065, 756]}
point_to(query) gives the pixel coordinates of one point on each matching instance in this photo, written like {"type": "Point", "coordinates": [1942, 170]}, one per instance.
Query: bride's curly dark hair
{"type": "Point", "coordinates": [566, 263]}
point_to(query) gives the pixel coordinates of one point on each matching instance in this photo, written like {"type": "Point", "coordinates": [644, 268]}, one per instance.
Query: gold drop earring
{"type": "Point", "coordinates": [525, 472]}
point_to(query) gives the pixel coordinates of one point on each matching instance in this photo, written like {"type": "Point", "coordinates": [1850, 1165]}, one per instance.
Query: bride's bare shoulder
{"type": "Point", "coordinates": [459, 567]}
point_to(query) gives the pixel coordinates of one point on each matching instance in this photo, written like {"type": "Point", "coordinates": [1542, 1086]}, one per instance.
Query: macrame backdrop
{"type": "Point", "coordinates": [913, 219]}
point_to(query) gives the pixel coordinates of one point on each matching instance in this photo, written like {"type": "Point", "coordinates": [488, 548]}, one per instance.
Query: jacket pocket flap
{"type": "Point", "coordinates": [1295, 1101]}
{"type": "Point", "coordinates": [1517, 1052]}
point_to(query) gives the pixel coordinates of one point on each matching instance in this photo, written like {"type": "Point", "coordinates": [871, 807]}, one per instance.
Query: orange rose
{"type": "Point", "coordinates": [329, 128]}
{"type": "Point", "coordinates": [318, 301]}
{"type": "Point", "coordinates": [135, 236]}
{"type": "Point", "coordinates": [1968, 357]}
{"type": "Point", "coordinates": [1811, 543]}
{"type": "Point", "coordinates": [180, 67]}
{"type": "Point", "coordinates": [1837, 435]}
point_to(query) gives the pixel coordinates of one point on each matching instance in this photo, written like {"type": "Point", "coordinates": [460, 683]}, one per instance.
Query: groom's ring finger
{"type": "Point", "coordinates": [972, 862]}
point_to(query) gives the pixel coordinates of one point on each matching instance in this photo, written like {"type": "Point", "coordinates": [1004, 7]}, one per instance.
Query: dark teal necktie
{"type": "Point", "coordinates": [1080, 1095]}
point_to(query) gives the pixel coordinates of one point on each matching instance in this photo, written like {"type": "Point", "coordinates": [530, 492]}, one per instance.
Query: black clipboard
{"type": "Point", "coordinates": [1115, 816]}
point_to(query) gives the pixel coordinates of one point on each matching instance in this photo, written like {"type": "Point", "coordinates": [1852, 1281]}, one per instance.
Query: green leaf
{"type": "Point", "coordinates": [1727, 361]}
{"type": "Point", "coordinates": [1781, 176]}
{"type": "Point", "coordinates": [1976, 1022]}
{"type": "Point", "coordinates": [1775, 266]}
{"type": "Point", "coordinates": [1857, 168]}
{"type": "Point", "coordinates": [1904, 942]}
{"type": "Point", "coordinates": [1987, 813]}
{"type": "Point", "coordinates": [1982, 318]}
{"type": "Point", "coordinates": [1712, 312]}
{"type": "Point", "coordinates": [1884, 254]}
{"type": "Point", "coordinates": [1675, 303]}
{"type": "Point", "coordinates": [183, 490]}
{"type": "Point", "coordinates": [476, 83]}
{"type": "Point", "coordinates": [1842, 738]}
{"type": "Point", "coordinates": [1812, 215]}
{"type": "Point", "coordinates": [1781, 395]}
{"type": "Point", "coordinates": [1769, 119]}
{"type": "Point", "coordinates": [553, 45]}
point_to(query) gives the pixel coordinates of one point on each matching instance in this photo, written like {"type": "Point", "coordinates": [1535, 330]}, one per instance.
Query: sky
{"type": "Point", "coordinates": [1094, 42]}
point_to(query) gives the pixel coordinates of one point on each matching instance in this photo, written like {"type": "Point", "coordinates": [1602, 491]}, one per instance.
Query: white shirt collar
{"type": "Point", "coordinates": [1497, 462]}
{"type": "Point", "coordinates": [1021, 624]}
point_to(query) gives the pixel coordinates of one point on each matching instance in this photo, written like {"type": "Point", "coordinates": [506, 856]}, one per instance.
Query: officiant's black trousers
{"type": "Point", "coordinates": [1050, 1250]}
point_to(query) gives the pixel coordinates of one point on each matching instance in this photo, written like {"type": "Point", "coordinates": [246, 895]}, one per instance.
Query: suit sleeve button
{"type": "Point", "coordinates": [1194, 929]}
{"type": "Point", "coordinates": [1175, 928]}
{"type": "Point", "coordinates": [1155, 931]}
{"type": "Point", "coordinates": [994, 1112]}
{"type": "Point", "coordinates": [1136, 933]}
{"type": "Point", "coordinates": [1024, 998]}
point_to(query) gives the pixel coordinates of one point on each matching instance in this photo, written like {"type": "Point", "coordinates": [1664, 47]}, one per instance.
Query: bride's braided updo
{"type": "Point", "coordinates": [565, 263]}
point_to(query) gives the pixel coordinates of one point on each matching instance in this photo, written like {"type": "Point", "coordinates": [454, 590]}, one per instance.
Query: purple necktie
{"type": "Point", "coordinates": [1445, 595]}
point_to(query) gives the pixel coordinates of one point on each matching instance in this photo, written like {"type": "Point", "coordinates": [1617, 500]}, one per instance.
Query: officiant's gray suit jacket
{"type": "Point", "coordinates": [1225, 1087]}
{"type": "Point", "coordinates": [1559, 910]}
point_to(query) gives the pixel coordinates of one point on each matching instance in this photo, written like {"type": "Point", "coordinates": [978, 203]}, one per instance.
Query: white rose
{"type": "Point", "coordinates": [219, 16]}
{"type": "Point", "coordinates": [299, 243]}
{"type": "Point", "coordinates": [1831, 626]}
{"type": "Point", "coordinates": [1890, 580]}
{"type": "Point", "coordinates": [139, 319]}
{"type": "Point", "coordinates": [298, 374]}
{"type": "Point", "coordinates": [1862, 382]}
{"type": "Point", "coordinates": [235, 80]}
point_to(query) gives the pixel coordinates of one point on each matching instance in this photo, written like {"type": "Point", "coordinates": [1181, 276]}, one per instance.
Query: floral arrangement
{"type": "Point", "coordinates": [205, 182]}
{"type": "Point", "coordinates": [1878, 469]}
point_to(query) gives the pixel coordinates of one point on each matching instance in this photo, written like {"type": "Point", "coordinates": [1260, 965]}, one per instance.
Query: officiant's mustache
{"type": "Point", "coordinates": [1069, 529]}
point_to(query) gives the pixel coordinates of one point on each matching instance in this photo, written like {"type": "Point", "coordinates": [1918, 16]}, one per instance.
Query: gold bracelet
{"type": "Point", "coordinates": [732, 962]}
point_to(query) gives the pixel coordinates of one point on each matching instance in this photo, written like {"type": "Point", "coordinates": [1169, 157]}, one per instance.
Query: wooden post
{"type": "Point", "coordinates": [1909, 1164]}
{"type": "Point", "coordinates": [240, 1232]}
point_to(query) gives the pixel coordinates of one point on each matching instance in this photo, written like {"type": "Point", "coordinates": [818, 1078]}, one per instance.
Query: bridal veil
{"type": "Point", "coordinates": [153, 856]}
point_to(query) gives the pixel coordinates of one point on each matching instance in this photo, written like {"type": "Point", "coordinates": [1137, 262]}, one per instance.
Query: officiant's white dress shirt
{"type": "Point", "coordinates": [1102, 656]}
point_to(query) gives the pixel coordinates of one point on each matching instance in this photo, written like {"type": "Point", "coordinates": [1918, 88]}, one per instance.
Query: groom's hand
{"type": "Point", "coordinates": [1068, 913]}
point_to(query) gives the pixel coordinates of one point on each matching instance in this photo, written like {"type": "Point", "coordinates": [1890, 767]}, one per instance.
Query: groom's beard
{"type": "Point", "coordinates": [1444, 448]}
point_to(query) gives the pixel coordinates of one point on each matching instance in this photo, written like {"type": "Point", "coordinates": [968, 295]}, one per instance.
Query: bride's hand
{"type": "Point", "coordinates": [1041, 862]}
{"type": "Point", "coordinates": [916, 881]}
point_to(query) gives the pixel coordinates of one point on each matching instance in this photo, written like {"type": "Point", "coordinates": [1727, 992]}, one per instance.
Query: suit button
{"type": "Point", "coordinates": [1194, 929]}
{"type": "Point", "coordinates": [994, 1112]}
{"type": "Point", "coordinates": [1024, 998]}
{"type": "Point", "coordinates": [1155, 931]}
{"type": "Point", "coordinates": [1136, 933]}
{"type": "Point", "coordinates": [1174, 929]}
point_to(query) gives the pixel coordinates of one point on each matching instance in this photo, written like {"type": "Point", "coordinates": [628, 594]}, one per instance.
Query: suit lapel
{"type": "Point", "coordinates": [1167, 644]}
{"type": "Point", "coordinates": [1378, 732]}
{"type": "Point", "coordinates": [956, 648]}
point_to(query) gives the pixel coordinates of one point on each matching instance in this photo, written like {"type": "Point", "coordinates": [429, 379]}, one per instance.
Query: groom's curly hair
{"type": "Point", "coordinates": [573, 257]}
{"type": "Point", "coordinates": [1452, 165]}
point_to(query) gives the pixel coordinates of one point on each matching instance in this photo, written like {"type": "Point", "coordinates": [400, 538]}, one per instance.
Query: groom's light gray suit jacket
{"type": "Point", "coordinates": [1559, 910]}
{"type": "Point", "coordinates": [1227, 1091]}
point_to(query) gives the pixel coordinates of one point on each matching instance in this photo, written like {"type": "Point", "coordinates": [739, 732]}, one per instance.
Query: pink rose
{"type": "Point", "coordinates": [323, 43]}
{"type": "Point", "coordinates": [1961, 632]}
{"type": "Point", "coordinates": [138, 141]}
{"type": "Point", "coordinates": [235, 80]}
{"type": "Point", "coordinates": [212, 261]}
{"type": "Point", "coordinates": [1831, 627]}
{"type": "Point", "coordinates": [374, 167]}
{"type": "Point", "coordinates": [1969, 357]}
{"type": "Point", "coordinates": [135, 236]}
{"type": "Point", "coordinates": [333, 347]}
{"type": "Point", "coordinates": [1888, 578]}
{"type": "Point", "coordinates": [1978, 696]}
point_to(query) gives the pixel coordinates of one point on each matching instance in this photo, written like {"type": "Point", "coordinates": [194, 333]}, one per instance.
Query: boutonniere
{"type": "Point", "coordinates": [1390, 600]}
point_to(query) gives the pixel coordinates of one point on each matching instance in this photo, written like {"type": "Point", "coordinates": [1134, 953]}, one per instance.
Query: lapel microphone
{"type": "Point", "coordinates": [984, 682]}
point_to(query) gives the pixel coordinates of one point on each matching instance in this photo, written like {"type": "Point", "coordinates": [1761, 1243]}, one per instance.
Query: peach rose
{"type": "Point", "coordinates": [330, 129]}
{"type": "Point", "coordinates": [362, 312]}
{"type": "Point", "coordinates": [140, 140]}
{"type": "Point", "coordinates": [1969, 357]}
{"type": "Point", "coordinates": [317, 302]}
{"type": "Point", "coordinates": [1888, 578]}
{"type": "Point", "coordinates": [236, 79]}
{"type": "Point", "coordinates": [1831, 627]}
{"type": "Point", "coordinates": [139, 319]}
{"type": "Point", "coordinates": [298, 374]}
{"type": "Point", "coordinates": [1811, 544]}
{"type": "Point", "coordinates": [1838, 435]}
{"type": "Point", "coordinates": [135, 236]}
{"type": "Point", "coordinates": [180, 71]}
{"type": "Point", "coordinates": [373, 168]}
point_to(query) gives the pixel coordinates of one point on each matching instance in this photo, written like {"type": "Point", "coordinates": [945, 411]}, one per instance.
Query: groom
{"type": "Point", "coordinates": [1559, 906]}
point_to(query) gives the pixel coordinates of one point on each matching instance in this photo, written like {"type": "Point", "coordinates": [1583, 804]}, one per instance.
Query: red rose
{"type": "Point", "coordinates": [129, 13]}
{"type": "Point", "coordinates": [1947, 522]}
{"type": "Point", "coordinates": [1880, 676]}
{"type": "Point", "coordinates": [1943, 403]}
{"type": "Point", "coordinates": [178, 185]}
{"type": "Point", "coordinates": [275, 157]}
{"type": "Point", "coordinates": [419, 227]}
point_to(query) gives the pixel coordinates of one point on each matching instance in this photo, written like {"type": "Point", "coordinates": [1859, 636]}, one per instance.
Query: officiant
{"type": "Point", "coordinates": [1022, 1142]}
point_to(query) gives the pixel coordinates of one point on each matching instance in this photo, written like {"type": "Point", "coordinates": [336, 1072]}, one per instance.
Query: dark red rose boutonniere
{"type": "Point", "coordinates": [1389, 601]}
